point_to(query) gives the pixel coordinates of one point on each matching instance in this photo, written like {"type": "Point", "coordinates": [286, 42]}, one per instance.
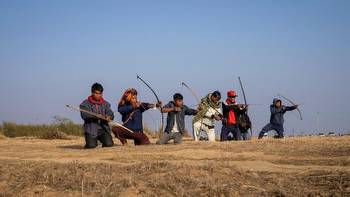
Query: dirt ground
{"type": "Point", "coordinates": [307, 166]}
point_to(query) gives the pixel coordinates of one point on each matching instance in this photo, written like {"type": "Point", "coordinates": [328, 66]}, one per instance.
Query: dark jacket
{"type": "Point", "coordinates": [226, 108]}
{"type": "Point", "coordinates": [278, 113]}
{"type": "Point", "coordinates": [132, 118]}
{"type": "Point", "coordinates": [180, 117]}
{"type": "Point", "coordinates": [93, 125]}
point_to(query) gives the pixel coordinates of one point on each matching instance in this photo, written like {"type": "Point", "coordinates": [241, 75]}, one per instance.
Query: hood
{"type": "Point", "coordinates": [275, 100]}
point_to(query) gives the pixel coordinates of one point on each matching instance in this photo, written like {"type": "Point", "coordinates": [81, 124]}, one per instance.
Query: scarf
{"type": "Point", "coordinates": [93, 101]}
{"type": "Point", "coordinates": [127, 96]}
{"type": "Point", "coordinates": [205, 104]}
{"type": "Point", "coordinates": [96, 103]}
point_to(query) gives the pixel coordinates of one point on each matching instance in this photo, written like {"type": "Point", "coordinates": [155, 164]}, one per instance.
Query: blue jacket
{"type": "Point", "coordinates": [278, 113]}
{"type": "Point", "coordinates": [132, 118]}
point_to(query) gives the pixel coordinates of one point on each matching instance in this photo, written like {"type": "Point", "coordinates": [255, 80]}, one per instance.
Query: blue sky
{"type": "Point", "coordinates": [52, 51]}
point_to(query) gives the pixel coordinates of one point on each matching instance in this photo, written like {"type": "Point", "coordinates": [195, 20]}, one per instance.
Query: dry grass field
{"type": "Point", "coordinates": [307, 166]}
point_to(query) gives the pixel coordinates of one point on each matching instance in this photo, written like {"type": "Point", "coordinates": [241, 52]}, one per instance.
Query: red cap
{"type": "Point", "coordinates": [231, 93]}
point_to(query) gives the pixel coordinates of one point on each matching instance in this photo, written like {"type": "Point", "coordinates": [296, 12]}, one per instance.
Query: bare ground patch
{"type": "Point", "coordinates": [290, 167]}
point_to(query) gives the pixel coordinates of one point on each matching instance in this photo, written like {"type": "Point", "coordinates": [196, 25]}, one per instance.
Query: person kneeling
{"type": "Point", "coordinates": [131, 110]}
{"type": "Point", "coordinates": [96, 129]}
{"type": "Point", "coordinates": [176, 120]}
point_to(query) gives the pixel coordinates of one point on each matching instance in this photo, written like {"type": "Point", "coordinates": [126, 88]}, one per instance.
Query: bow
{"type": "Point", "coordinates": [100, 116]}
{"type": "Point", "coordinates": [138, 77]}
{"type": "Point", "coordinates": [291, 102]}
{"type": "Point", "coordinates": [199, 105]}
{"type": "Point", "coordinates": [196, 96]}
{"type": "Point", "coordinates": [245, 101]}
{"type": "Point", "coordinates": [192, 92]}
{"type": "Point", "coordinates": [199, 102]}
